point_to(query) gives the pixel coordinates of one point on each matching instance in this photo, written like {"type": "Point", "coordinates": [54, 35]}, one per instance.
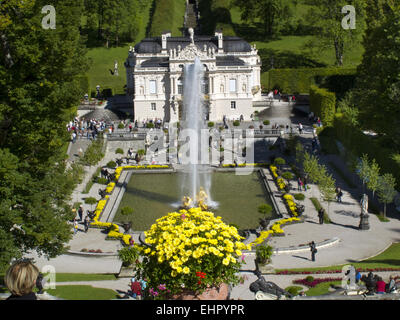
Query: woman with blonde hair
{"type": "Point", "coordinates": [20, 279]}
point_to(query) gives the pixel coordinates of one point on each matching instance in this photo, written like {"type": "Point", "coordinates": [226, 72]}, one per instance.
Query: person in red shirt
{"type": "Point", "coordinates": [380, 286]}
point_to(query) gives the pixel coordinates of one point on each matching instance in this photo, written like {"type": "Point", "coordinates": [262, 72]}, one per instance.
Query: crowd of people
{"type": "Point", "coordinates": [87, 128]}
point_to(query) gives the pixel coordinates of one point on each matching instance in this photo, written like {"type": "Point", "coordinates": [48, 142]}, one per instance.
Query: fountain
{"type": "Point", "coordinates": [196, 182]}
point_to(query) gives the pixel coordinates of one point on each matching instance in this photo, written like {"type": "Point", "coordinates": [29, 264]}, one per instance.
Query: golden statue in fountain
{"type": "Point", "coordinates": [201, 200]}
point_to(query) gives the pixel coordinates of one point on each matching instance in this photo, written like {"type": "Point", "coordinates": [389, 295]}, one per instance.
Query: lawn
{"type": "Point", "coordinates": [102, 60]}
{"type": "Point", "coordinates": [321, 288]}
{"type": "Point", "coordinates": [78, 292]}
{"type": "Point", "coordinates": [390, 258]}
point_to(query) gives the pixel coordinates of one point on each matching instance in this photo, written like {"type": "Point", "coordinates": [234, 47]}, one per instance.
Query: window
{"type": "Point", "coordinates": [204, 86]}
{"type": "Point", "coordinates": [153, 107]}
{"type": "Point", "coordinates": [233, 105]}
{"type": "Point", "coordinates": [153, 87]}
{"type": "Point", "coordinates": [232, 85]}
{"type": "Point", "coordinates": [180, 86]}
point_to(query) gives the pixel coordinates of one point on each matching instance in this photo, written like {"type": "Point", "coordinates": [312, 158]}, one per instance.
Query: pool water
{"type": "Point", "coordinates": [154, 195]}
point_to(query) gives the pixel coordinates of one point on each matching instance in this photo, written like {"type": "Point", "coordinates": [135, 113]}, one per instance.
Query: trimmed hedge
{"type": "Point", "coordinates": [300, 80]}
{"type": "Point", "coordinates": [358, 143]}
{"type": "Point", "coordinates": [323, 104]}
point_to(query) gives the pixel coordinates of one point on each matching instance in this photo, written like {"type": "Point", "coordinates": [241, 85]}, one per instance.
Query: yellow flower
{"type": "Point", "coordinates": [225, 261]}
{"type": "Point", "coordinates": [186, 270]}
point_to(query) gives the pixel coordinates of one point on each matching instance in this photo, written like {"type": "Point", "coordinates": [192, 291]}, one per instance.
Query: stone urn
{"type": "Point", "coordinates": [211, 293]}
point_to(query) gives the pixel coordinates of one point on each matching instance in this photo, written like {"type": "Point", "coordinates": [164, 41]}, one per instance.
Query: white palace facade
{"type": "Point", "coordinates": [231, 82]}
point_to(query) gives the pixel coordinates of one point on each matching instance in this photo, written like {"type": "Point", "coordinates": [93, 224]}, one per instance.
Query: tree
{"type": "Point", "coordinates": [327, 187]}
{"type": "Point", "coordinates": [378, 84]}
{"type": "Point", "coordinates": [363, 169]}
{"type": "Point", "coordinates": [311, 167]}
{"type": "Point", "coordinates": [386, 190]}
{"type": "Point", "coordinates": [326, 16]}
{"type": "Point", "coordinates": [271, 13]}
{"type": "Point", "coordinates": [40, 75]}
{"type": "Point", "coordinates": [373, 177]}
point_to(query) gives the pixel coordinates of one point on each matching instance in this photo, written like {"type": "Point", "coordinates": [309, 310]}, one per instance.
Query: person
{"type": "Point", "coordinates": [321, 215]}
{"type": "Point", "coordinates": [391, 285]}
{"type": "Point", "coordinates": [75, 226]}
{"type": "Point", "coordinates": [299, 184]}
{"type": "Point", "coordinates": [136, 289]}
{"type": "Point", "coordinates": [358, 276]}
{"type": "Point", "coordinates": [305, 183]}
{"type": "Point", "coordinates": [300, 128]}
{"type": "Point", "coordinates": [80, 213]}
{"type": "Point", "coordinates": [313, 250]}
{"type": "Point", "coordinates": [20, 279]}
{"type": "Point", "coordinates": [380, 286]}
{"type": "Point", "coordinates": [339, 194]}
{"type": "Point", "coordinates": [86, 223]}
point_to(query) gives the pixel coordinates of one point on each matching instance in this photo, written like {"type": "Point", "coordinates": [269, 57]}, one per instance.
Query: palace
{"type": "Point", "coordinates": [231, 83]}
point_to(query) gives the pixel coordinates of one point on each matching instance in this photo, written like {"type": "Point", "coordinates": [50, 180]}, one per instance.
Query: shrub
{"type": "Point", "coordinates": [263, 253]}
{"type": "Point", "coordinates": [126, 211]}
{"type": "Point", "coordinates": [84, 250]}
{"type": "Point", "coordinates": [211, 124]}
{"type": "Point", "coordinates": [294, 290]}
{"type": "Point", "coordinates": [128, 255]}
{"type": "Point", "coordinates": [279, 161]}
{"type": "Point", "coordinates": [150, 125]}
{"type": "Point", "coordinates": [299, 196]}
{"type": "Point", "coordinates": [287, 175]}
{"type": "Point", "coordinates": [264, 209]}
{"type": "Point", "coordinates": [101, 180]}
{"type": "Point", "coordinates": [236, 123]}
{"type": "Point", "coordinates": [266, 122]}
{"type": "Point", "coordinates": [94, 153]}
{"type": "Point", "coordinates": [119, 151]}
{"type": "Point", "coordinates": [121, 125]}
{"type": "Point", "coordinates": [141, 152]}
{"type": "Point", "coordinates": [309, 278]}
{"type": "Point", "coordinates": [111, 164]}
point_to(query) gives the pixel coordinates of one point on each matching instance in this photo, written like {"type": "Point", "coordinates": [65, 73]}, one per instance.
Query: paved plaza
{"type": "Point", "coordinates": [352, 244]}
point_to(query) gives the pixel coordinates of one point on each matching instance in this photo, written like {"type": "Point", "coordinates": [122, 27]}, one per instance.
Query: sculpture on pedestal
{"type": "Point", "coordinates": [364, 223]}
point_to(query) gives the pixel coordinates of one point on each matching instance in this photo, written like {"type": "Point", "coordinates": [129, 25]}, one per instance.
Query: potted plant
{"type": "Point", "coordinates": [129, 257]}
{"type": "Point", "coordinates": [191, 254]}
{"type": "Point", "coordinates": [263, 258]}
{"type": "Point", "coordinates": [264, 209]}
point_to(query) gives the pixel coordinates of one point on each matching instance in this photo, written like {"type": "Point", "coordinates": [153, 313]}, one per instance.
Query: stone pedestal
{"type": "Point", "coordinates": [364, 223]}
{"type": "Point", "coordinates": [266, 268]}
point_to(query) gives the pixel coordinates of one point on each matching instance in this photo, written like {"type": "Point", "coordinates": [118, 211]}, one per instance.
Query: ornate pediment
{"type": "Point", "coordinates": [190, 52]}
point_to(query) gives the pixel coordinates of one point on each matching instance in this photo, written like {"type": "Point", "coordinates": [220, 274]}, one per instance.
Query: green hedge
{"type": "Point", "coordinates": [358, 143]}
{"type": "Point", "coordinates": [300, 80]}
{"type": "Point", "coordinates": [323, 104]}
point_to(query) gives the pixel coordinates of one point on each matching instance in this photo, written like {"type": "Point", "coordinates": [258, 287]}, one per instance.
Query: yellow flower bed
{"type": "Point", "coordinates": [279, 181]}
{"type": "Point", "coordinates": [291, 204]}
{"type": "Point", "coordinates": [114, 229]}
{"type": "Point", "coordinates": [274, 230]}
{"type": "Point", "coordinates": [244, 165]}
{"type": "Point", "coordinates": [110, 187]}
